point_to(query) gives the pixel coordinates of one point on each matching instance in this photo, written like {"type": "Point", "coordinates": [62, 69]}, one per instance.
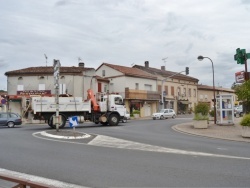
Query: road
{"type": "Point", "coordinates": [152, 155]}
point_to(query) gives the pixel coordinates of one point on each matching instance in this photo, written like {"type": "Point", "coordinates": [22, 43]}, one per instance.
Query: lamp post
{"type": "Point", "coordinates": [200, 58]}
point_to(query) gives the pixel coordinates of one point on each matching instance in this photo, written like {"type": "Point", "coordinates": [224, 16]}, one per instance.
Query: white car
{"type": "Point", "coordinates": [164, 114]}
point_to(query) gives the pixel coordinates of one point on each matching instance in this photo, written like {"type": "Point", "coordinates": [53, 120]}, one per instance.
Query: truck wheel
{"type": "Point", "coordinates": [161, 117]}
{"type": "Point", "coordinates": [113, 119]}
{"type": "Point", "coordinates": [53, 126]}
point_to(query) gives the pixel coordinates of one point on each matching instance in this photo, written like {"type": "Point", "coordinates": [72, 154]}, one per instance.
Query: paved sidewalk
{"type": "Point", "coordinates": [227, 132]}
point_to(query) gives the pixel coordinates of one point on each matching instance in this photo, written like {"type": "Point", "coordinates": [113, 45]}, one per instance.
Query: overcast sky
{"type": "Point", "coordinates": [126, 32]}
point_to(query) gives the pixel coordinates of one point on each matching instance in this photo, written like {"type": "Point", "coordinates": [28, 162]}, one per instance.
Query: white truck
{"type": "Point", "coordinates": [106, 109]}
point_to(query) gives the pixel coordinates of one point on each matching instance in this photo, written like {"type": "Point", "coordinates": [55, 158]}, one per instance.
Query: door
{"type": "Point", "coordinates": [147, 110]}
{"type": "Point", "coordinates": [3, 118]}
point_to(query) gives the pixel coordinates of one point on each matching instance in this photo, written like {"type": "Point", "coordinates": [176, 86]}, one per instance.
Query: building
{"type": "Point", "coordinates": [206, 94]}
{"type": "Point", "coordinates": [138, 88]}
{"type": "Point", "coordinates": [39, 81]}
{"type": "Point", "coordinates": [179, 91]}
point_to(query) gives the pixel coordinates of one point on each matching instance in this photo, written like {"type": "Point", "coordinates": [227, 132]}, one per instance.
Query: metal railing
{"type": "Point", "coordinates": [23, 183]}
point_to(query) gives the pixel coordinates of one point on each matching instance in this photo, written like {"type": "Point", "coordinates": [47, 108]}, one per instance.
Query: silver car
{"type": "Point", "coordinates": [10, 119]}
{"type": "Point", "coordinates": [164, 114]}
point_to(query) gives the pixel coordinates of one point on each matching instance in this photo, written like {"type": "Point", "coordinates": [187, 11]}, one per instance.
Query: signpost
{"type": "Point", "coordinates": [241, 57]}
{"type": "Point", "coordinates": [57, 66]}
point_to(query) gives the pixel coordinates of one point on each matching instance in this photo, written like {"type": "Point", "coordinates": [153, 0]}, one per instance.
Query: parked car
{"type": "Point", "coordinates": [164, 114]}
{"type": "Point", "coordinates": [10, 119]}
{"type": "Point", "coordinates": [238, 110]}
{"type": "Point", "coordinates": [126, 117]}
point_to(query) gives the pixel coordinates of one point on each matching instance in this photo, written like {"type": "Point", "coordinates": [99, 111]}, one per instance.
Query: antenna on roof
{"type": "Point", "coordinates": [164, 60]}
{"type": "Point", "coordinates": [46, 59]}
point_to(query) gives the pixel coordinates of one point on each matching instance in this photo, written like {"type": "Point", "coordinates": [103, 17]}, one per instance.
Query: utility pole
{"type": "Point", "coordinates": [57, 66]}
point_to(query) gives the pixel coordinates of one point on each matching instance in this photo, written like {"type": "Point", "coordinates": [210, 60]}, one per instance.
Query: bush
{"type": "Point", "coordinates": [201, 111]}
{"type": "Point", "coordinates": [211, 113]}
{"type": "Point", "coordinates": [201, 108]}
{"type": "Point", "coordinates": [136, 112]}
{"type": "Point", "coordinates": [245, 120]}
{"type": "Point", "coordinates": [200, 117]}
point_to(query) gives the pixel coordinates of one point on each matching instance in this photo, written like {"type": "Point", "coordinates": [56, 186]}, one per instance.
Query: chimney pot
{"type": "Point", "coordinates": [146, 64]}
{"type": "Point", "coordinates": [162, 67]}
{"type": "Point", "coordinates": [80, 64]}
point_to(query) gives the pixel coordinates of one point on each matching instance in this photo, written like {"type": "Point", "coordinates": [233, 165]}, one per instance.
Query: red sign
{"type": "Point", "coordinates": [34, 92]}
{"type": "Point", "coordinates": [239, 77]}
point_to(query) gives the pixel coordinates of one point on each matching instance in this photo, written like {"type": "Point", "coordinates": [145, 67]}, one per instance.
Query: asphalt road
{"type": "Point", "coordinates": [152, 155]}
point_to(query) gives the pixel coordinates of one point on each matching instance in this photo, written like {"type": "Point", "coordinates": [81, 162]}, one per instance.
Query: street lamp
{"type": "Point", "coordinates": [200, 58]}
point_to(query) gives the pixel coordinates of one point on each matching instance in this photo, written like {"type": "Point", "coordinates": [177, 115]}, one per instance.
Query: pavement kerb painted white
{"type": "Point", "coordinates": [44, 133]}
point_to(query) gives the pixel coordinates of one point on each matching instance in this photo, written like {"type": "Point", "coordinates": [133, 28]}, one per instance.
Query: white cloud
{"type": "Point", "coordinates": [125, 32]}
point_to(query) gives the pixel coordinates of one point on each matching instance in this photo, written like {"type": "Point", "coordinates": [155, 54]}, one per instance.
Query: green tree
{"type": "Point", "coordinates": [243, 93]}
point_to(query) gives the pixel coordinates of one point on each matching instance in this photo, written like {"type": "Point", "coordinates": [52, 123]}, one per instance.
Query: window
{"type": "Point", "coordinates": [172, 90]}
{"type": "Point", "coordinates": [189, 92]}
{"type": "Point", "coordinates": [103, 73]}
{"type": "Point", "coordinates": [62, 89]}
{"type": "Point", "coordinates": [184, 92]}
{"type": "Point", "coordinates": [179, 91]}
{"type": "Point", "coordinates": [19, 87]}
{"type": "Point", "coordinates": [41, 87]}
{"type": "Point", "coordinates": [166, 89]}
{"type": "Point", "coordinates": [137, 86]}
{"type": "Point", "coordinates": [105, 88]}
{"type": "Point", "coordinates": [159, 88]}
{"type": "Point", "coordinates": [201, 96]}
{"type": "Point", "coordinates": [148, 87]}
{"type": "Point", "coordinates": [20, 78]}
{"type": "Point", "coordinates": [194, 92]}
{"type": "Point", "coordinates": [118, 101]}
{"type": "Point", "coordinates": [205, 96]}
{"type": "Point", "coordinates": [111, 87]}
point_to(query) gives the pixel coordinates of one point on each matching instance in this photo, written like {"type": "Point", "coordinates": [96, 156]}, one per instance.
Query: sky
{"type": "Point", "coordinates": [166, 33]}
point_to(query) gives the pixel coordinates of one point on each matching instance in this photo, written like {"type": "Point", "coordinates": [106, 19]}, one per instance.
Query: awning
{"type": "Point", "coordinates": [185, 102]}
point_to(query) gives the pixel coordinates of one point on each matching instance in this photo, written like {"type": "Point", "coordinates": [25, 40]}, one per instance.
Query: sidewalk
{"type": "Point", "coordinates": [227, 132]}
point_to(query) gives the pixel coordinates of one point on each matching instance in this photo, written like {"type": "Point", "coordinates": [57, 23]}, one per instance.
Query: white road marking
{"type": "Point", "coordinates": [222, 149]}
{"type": "Point", "coordinates": [37, 179]}
{"type": "Point", "coordinates": [64, 137]}
{"type": "Point", "coordinates": [106, 141]}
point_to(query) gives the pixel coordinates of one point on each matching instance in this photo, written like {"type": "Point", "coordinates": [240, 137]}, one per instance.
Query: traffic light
{"type": "Point", "coordinates": [187, 70]}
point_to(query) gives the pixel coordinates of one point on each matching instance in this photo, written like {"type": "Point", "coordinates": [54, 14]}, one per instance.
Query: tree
{"type": "Point", "coordinates": [243, 93]}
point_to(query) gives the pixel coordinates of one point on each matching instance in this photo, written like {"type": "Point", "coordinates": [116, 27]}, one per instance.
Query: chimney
{"type": "Point", "coordinates": [162, 67]}
{"type": "Point", "coordinates": [80, 64]}
{"type": "Point", "coordinates": [146, 64]}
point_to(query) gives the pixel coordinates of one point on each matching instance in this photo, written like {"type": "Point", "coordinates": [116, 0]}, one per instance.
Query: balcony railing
{"type": "Point", "coordinates": [142, 94]}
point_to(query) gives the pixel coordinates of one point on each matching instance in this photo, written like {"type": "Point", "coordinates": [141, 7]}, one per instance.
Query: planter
{"type": "Point", "coordinates": [245, 131]}
{"type": "Point", "coordinates": [200, 124]}
{"type": "Point", "coordinates": [136, 116]}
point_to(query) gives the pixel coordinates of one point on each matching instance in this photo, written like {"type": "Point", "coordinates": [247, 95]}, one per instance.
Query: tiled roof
{"type": "Point", "coordinates": [47, 70]}
{"type": "Point", "coordinates": [206, 87]}
{"type": "Point", "coordinates": [130, 71]}
{"type": "Point", "coordinates": [166, 73]}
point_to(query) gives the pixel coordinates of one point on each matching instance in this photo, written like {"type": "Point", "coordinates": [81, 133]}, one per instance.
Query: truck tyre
{"type": "Point", "coordinates": [113, 119]}
{"type": "Point", "coordinates": [53, 126]}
